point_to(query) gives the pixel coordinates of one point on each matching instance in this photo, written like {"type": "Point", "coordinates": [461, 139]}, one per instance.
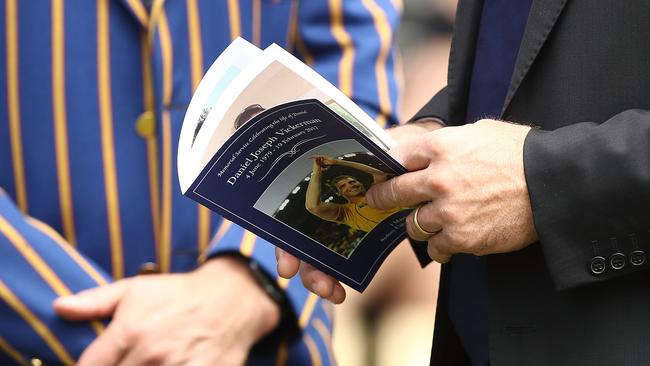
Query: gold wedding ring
{"type": "Point", "coordinates": [417, 224]}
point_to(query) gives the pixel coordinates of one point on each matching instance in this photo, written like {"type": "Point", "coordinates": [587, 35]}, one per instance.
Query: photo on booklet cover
{"type": "Point", "coordinates": [322, 195]}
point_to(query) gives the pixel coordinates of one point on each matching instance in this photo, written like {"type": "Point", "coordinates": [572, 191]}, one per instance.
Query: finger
{"type": "Point", "coordinates": [146, 353]}
{"type": "Point", "coordinates": [98, 302]}
{"type": "Point", "coordinates": [428, 220]}
{"type": "Point", "coordinates": [414, 155]}
{"type": "Point", "coordinates": [107, 350]}
{"type": "Point", "coordinates": [316, 281]}
{"type": "Point", "coordinates": [338, 295]}
{"type": "Point", "coordinates": [438, 249]}
{"type": "Point", "coordinates": [288, 265]}
{"type": "Point", "coordinates": [405, 190]}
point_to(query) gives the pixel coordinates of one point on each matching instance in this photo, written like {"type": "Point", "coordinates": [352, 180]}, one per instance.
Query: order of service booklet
{"type": "Point", "coordinates": [274, 147]}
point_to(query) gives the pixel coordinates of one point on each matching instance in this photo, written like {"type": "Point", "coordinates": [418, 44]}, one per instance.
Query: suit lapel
{"type": "Point", "coordinates": [542, 18]}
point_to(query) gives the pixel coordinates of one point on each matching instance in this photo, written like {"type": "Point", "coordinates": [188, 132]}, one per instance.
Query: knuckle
{"type": "Point", "coordinates": [448, 217]}
{"type": "Point", "coordinates": [481, 249]}
{"type": "Point", "coordinates": [433, 182]}
{"type": "Point", "coordinates": [438, 182]}
{"type": "Point", "coordinates": [441, 181]}
{"type": "Point", "coordinates": [131, 334]}
{"type": "Point", "coordinates": [153, 354]}
{"type": "Point", "coordinates": [391, 195]}
{"type": "Point", "coordinates": [463, 244]}
{"type": "Point", "coordinates": [433, 144]}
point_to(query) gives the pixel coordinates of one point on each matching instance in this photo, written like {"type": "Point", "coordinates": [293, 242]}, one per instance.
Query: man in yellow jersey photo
{"type": "Point", "coordinates": [355, 213]}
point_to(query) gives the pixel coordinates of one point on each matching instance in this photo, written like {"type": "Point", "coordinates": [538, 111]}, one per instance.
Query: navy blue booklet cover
{"type": "Point", "coordinates": [296, 175]}
{"type": "Point", "coordinates": [274, 147]}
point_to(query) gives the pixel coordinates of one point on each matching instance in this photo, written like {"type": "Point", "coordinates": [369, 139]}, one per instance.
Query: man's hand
{"type": "Point", "coordinates": [471, 185]}
{"type": "Point", "coordinates": [314, 280]}
{"type": "Point", "coordinates": [323, 160]}
{"type": "Point", "coordinates": [211, 316]}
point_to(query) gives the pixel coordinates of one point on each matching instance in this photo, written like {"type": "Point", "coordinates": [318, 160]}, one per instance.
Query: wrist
{"type": "Point", "coordinates": [265, 312]}
{"type": "Point", "coordinates": [414, 129]}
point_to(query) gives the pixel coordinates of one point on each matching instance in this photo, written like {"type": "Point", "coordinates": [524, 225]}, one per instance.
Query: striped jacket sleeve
{"type": "Point", "coordinates": [350, 43]}
{"type": "Point", "coordinates": [38, 266]}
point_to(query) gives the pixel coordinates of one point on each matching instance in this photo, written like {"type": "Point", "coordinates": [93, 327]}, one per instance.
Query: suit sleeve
{"type": "Point", "coordinates": [589, 187]}
{"type": "Point", "coordinates": [39, 266]}
{"type": "Point", "coordinates": [437, 107]}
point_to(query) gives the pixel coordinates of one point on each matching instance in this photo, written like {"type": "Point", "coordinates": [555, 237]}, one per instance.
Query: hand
{"type": "Point", "coordinates": [323, 160]}
{"type": "Point", "coordinates": [314, 280]}
{"type": "Point", "coordinates": [470, 181]}
{"type": "Point", "coordinates": [207, 317]}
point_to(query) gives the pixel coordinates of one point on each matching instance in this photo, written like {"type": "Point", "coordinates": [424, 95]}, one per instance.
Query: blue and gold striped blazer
{"type": "Point", "coordinates": [92, 99]}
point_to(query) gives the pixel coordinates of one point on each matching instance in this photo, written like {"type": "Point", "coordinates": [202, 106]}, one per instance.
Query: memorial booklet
{"type": "Point", "coordinates": [275, 148]}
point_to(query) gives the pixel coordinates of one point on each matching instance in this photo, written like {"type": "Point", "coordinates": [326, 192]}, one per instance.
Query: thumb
{"type": "Point", "coordinates": [98, 302]}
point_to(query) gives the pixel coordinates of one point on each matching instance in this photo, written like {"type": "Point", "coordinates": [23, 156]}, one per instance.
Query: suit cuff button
{"type": "Point", "coordinates": [637, 258]}
{"type": "Point", "coordinates": [617, 261]}
{"type": "Point", "coordinates": [598, 265]}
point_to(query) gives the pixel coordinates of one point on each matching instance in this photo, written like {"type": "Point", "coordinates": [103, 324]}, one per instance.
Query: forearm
{"type": "Point", "coordinates": [588, 186]}
{"type": "Point", "coordinates": [312, 196]}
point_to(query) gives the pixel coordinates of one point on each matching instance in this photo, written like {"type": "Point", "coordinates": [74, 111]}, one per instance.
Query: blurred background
{"type": "Point", "coordinates": [392, 322]}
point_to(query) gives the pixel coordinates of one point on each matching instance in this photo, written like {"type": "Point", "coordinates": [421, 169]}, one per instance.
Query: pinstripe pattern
{"type": "Point", "coordinates": [234, 19]}
{"type": "Point", "coordinates": [12, 352]}
{"type": "Point", "coordinates": [281, 358]}
{"type": "Point", "coordinates": [326, 337]}
{"type": "Point", "coordinates": [139, 11]}
{"type": "Point", "coordinates": [81, 261]}
{"type": "Point", "coordinates": [314, 353]}
{"type": "Point", "coordinates": [384, 32]}
{"type": "Point", "coordinates": [13, 103]}
{"type": "Point", "coordinates": [90, 179]}
{"type": "Point", "coordinates": [257, 22]}
{"type": "Point", "coordinates": [152, 144]}
{"type": "Point", "coordinates": [196, 56]}
{"type": "Point", "coordinates": [60, 121]}
{"type": "Point", "coordinates": [43, 331]}
{"type": "Point", "coordinates": [292, 26]}
{"type": "Point", "coordinates": [247, 245]}
{"type": "Point", "coordinates": [304, 51]}
{"type": "Point", "coordinates": [31, 256]}
{"type": "Point", "coordinates": [345, 42]}
{"type": "Point", "coordinates": [39, 265]}
{"type": "Point", "coordinates": [108, 144]}
{"type": "Point", "coordinates": [166, 226]}
{"type": "Point", "coordinates": [307, 310]}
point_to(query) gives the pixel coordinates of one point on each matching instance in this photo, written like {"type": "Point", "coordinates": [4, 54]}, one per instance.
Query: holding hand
{"type": "Point", "coordinates": [470, 183]}
{"type": "Point", "coordinates": [323, 160]}
{"type": "Point", "coordinates": [313, 279]}
{"type": "Point", "coordinates": [176, 319]}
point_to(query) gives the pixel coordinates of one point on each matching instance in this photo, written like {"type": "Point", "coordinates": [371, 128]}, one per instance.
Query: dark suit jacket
{"type": "Point", "coordinates": [583, 77]}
